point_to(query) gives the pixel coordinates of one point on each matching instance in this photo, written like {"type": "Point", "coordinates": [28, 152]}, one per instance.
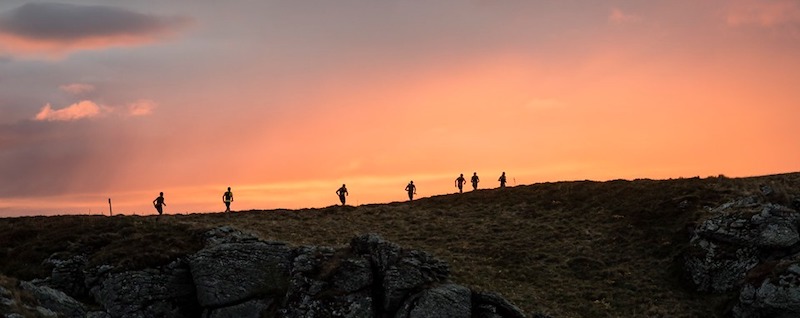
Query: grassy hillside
{"type": "Point", "coordinates": [568, 249]}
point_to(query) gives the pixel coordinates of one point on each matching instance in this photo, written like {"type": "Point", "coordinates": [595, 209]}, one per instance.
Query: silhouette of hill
{"type": "Point", "coordinates": [566, 249]}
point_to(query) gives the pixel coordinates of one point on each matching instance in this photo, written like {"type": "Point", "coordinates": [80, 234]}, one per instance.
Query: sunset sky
{"type": "Point", "coordinates": [286, 100]}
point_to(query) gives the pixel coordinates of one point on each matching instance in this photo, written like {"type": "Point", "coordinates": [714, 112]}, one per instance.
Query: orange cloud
{"type": "Point", "coordinates": [80, 110]}
{"type": "Point", "coordinates": [618, 17]}
{"type": "Point", "coordinates": [77, 88]}
{"type": "Point", "coordinates": [140, 108]}
{"type": "Point", "coordinates": [90, 109]}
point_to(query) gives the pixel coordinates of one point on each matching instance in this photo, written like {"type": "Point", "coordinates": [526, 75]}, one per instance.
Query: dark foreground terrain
{"type": "Point", "coordinates": [566, 249]}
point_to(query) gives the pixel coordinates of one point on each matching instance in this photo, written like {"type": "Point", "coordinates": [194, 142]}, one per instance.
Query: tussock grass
{"type": "Point", "coordinates": [568, 249]}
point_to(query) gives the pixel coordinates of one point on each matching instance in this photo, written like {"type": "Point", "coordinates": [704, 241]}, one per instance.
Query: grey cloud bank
{"type": "Point", "coordinates": [58, 21]}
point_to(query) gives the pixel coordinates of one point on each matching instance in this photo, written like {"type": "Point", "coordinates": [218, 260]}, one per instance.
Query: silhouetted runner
{"type": "Point", "coordinates": [342, 192]}
{"type": "Point", "coordinates": [227, 197]}
{"type": "Point", "coordinates": [460, 183]}
{"type": "Point", "coordinates": [412, 190]}
{"type": "Point", "coordinates": [475, 181]}
{"type": "Point", "coordinates": [159, 202]}
{"type": "Point", "coordinates": [502, 180]}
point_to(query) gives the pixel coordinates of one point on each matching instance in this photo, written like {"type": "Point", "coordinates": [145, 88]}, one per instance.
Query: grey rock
{"type": "Point", "coordinates": [68, 274]}
{"type": "Point", "coordinates": [97, 314]}
{"type": "Point", "coordinates": [777, 295]}
{"type": "Point", "coordinates": [445, 301]}
{"type": "Point", "coordinates": [355, 305]}
{"type": "Point", "coordinates": [380, 252]}
{"type": "Point", "coordinates": [413, 270]}
{"type": "Point", "coordinates": [44, 312]}
{"type": "Point", "coordinates": [249, 309]}
{"type": "Point", "coordinates": [352, 275]}
{"type": "Point", "coordinates": [6, 297]}
{"type": "Point", "coordinates": [308, 259]}
{"type": "Point", "coordinates": [718, 267]}
{"type": "Point", "coordinates": [55, 300]}
{"type": "Point", "coordinates": [779, 233]}
{"type": "Point", "coordinates": [734, 240]}
{"type": "Point", "coordinates": [94, 276]}
{"type": "Point", "coordinates": [230, 273]}
{"type": "Point", "coordinates": [401, 273]}
{"type": "Point", "coordinates": [324, 284]}
{"type": "Point", "coordinates": [491, 305]}
{"type": "Point", "coordinates": [148, 293]}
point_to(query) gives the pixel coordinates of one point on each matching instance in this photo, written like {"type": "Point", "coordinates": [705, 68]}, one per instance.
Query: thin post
{"type": "Point", "coordinates": [110, 213]}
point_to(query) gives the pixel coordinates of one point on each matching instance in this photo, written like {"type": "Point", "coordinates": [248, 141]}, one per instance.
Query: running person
{"type": "Point", "coordinates": [342, 192]}
{"type": "Point", "coordinates": [502, 180]}
{"type": "Point", "coordinates": [412, 190]}
{"type": "Point", "coordinates": [227, 197]}
{"type": "Point", "coordinates": [460, 183]}
{"type": "Point", "coordinates": [475, 181]}
{"type": "Point", "coordinates": [159, 202]}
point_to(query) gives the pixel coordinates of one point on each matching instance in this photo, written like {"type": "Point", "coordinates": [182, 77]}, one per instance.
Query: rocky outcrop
{"type": "Point", "coordinates": [238, 275]}
{"type": "Point", "coordinates": [166, 292]}
{"type": "Point", "coordinates": [750, 247]}
{"type": "Point", "coordinates": [735, 239]}
{"type": "Point", "coordinates": [67, 275]}
{"type": "Point", "coordinates": [230, 273]}
{"type": "Point", "coordinates": [777, 294]}
{"type": "Point", "coordinates": [373, 278]}
{"type": "Point", "coordinates": [318, 289]}
{"type": "Point", "coordinates": [55, 300]}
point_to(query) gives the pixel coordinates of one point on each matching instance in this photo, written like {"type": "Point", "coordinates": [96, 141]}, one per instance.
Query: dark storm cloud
{"type": "Point", "coordinates": [64, 22]}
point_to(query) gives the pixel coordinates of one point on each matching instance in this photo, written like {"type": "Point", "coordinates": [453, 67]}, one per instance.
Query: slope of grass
{"type": "Point", "coordinates": [568, 249]}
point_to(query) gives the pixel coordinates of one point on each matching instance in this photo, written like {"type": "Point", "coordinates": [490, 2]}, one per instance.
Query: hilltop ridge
{"type": "Point", "coordinates": [567, 249]}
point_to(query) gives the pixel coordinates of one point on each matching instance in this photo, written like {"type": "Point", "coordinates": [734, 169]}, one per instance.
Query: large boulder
{"type": "Point", "coordinates": [718, 267]}
{"type": "Point", "coordinates": [326, 284]}
{"type": "Point", "coordinates": [167, 292]}
{"type": "Point", "coordinates": [399, 272]}
{"type": "Point", "coordinates": [373, 278]}
{"type": "Point", "coordinates": [412, 271]}
{"type": "Point", "coordinates": [67, 274]}
{"type": "Point", "coordinates": [230, 273]}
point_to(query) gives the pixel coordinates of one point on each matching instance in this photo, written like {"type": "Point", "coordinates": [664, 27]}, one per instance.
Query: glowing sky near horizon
{"type": "Point", "coordinates": [286, 100]}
